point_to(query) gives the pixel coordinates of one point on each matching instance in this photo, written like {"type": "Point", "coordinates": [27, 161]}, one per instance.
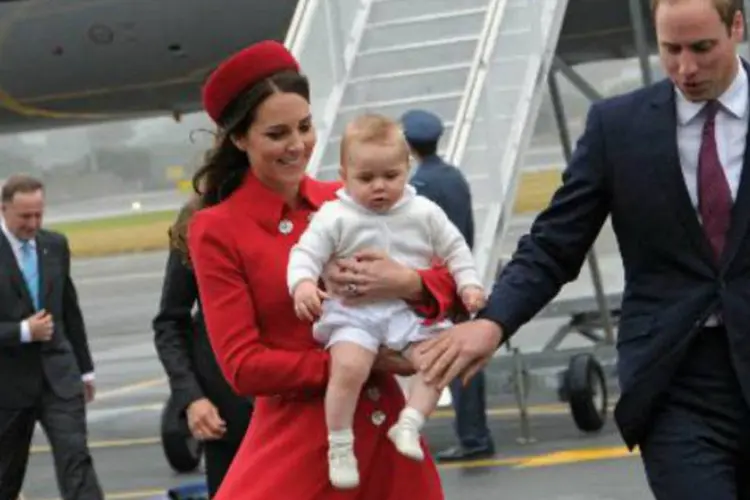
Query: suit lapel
{"type": "Point", "coordinates": [741, 207]}
{"type": "Point", "coordinates": [8, 259]}
{"type": "Point", "coordinates": [668, 171]}
{"type": "Point", "coordinates": [45, 269]}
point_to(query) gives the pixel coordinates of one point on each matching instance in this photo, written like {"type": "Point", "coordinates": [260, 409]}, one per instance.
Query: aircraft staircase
{"type": "Point", "coordinates": [481, 65]}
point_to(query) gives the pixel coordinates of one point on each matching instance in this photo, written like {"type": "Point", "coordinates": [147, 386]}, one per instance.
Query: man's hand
{"type": "Point", "coordinates": [204, 421]}
{"type": "Point", "coordinates": [41, 326]}
{"type": "Point", "coordinates": [460, 351]}
{"type": "Point", "coordinates": [89, 390]}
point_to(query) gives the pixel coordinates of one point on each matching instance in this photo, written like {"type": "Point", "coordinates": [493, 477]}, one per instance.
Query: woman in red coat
{"type": "Point", "coordinates": [239, 245]}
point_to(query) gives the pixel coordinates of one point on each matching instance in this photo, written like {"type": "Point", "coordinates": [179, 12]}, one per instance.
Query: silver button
{"type": "Point", "coordinates": [285, 226]}
{"type": "Point", "coordinates": [378, 417]}
{"type": "Point", "coordinates": [373, 393]}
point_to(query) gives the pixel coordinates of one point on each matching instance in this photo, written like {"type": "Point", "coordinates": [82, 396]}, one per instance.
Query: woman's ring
{"type": "Point", "coordinates": [351, 288]}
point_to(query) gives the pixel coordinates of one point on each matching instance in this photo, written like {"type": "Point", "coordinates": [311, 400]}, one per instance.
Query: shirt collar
{"type": "Point", "coordinates": [734, 100]}
{"type": "Point", "coordinates": [268, 207]}
{"type": "Point", "coordinates": [12, 239]}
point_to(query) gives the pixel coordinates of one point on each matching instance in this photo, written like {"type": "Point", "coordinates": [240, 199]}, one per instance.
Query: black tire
{"type": "Point", "coordinates": [182, 450]}
{"type": "Point", "coordinates": [586, 388]}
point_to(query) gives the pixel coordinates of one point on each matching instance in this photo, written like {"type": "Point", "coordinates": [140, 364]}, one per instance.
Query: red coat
{"type": "Point", "coordinates": [240, 254]}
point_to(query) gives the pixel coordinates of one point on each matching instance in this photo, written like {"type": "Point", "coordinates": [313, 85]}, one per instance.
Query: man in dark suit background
{"type": "Point", "coordinates": [670, 163]}
{"type": "Point", "coordinates": [215, 414]}
{"type": "Point", "coordinates": [46, 370]}
{"type": "Point", "coordinates": [445, 185]}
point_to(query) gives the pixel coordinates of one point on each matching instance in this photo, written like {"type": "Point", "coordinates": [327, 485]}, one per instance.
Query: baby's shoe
{"type": "Point", "coordinates": [342, 466]}
{"type": "Point", "coordinates": [406, 439]}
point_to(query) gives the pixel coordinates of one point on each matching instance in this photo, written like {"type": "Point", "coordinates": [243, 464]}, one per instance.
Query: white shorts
{"type": "Point", "coordinates": [392, 324]}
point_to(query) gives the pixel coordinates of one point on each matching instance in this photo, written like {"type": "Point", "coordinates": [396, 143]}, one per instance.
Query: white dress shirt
{"type": "Point", "coordinates": [731, 137]}
{"type": "Point", "coordinates": [15, 245]}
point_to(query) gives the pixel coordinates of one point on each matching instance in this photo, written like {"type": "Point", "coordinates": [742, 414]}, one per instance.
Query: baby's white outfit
{"type": "Point", "coordinates": [413, 232]}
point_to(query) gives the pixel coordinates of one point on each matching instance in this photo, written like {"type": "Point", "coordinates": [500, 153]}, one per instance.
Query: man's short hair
{"type": "Point", "coordinates": [19, 183]}
{"type": "Point", "coordinates": [726, 9]}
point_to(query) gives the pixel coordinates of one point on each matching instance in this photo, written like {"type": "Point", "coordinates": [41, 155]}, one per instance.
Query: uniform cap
{"type": "Point", "coordinates": [421, 126]}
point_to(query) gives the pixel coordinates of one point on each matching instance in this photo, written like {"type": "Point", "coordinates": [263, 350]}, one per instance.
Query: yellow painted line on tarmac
{"type": "Point", "coordinates": [480, 464]}
{"type": "Point", "coordinates": [124, 495]}
{"type": "Point", "coordinates": [564, 457]}
{"type": "Point", "coordinates": [112, 443]}
{"type": "Point", "coordinates": [550, 409]}
{"type": "Point", "coordinates": [510, 411]}
{"type": "Point", "coordinates": [128, 495]}
{"type": "Point", "coordinates": [127, 389]}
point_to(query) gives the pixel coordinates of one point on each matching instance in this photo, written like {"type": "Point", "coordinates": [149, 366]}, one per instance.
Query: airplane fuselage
{"type": "Point", "coordinates": [83, 61]}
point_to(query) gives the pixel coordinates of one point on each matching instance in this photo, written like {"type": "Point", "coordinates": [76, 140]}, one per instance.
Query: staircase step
{"type": "Point", "coordinates": [414, 83]}
{"type": "Point", "coordinates": [427, 26]}
{"type": "Point", "coordinates": [414, 56]}
{"type": "Point", "coordinates": [390, 10]}
{"type": "Point", "coordinates": [443, 105]}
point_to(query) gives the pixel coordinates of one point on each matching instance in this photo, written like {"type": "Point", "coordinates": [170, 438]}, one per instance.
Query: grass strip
{"type": "Point", "coordinates": [141, 232]}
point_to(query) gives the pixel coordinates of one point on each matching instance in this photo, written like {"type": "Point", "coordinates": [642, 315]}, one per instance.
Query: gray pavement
{"type": "Point", "coordinates": [119, 297]}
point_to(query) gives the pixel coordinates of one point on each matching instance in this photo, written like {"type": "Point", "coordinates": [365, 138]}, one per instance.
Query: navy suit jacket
{"type": "Point", "coordinates": [626, 165]}
{"type": "Point", "coordinates": [447, 187]}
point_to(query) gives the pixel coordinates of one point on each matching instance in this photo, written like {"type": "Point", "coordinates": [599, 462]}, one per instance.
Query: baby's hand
{"type": "Point", "coordinates": [308, 299]}
{"type": "Point", "coordinates": [473, 298]}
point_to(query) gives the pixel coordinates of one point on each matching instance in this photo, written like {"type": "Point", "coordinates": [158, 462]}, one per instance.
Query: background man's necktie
{"type": "Point", "coordinates": [30, 270]}
{"type": "Point", "coordinates": [714, 196]}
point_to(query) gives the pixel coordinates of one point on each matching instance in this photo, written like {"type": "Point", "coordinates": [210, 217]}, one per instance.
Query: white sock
{"type": "Point", "coordinates": [341, 437]}
{"type": "Point", "coordinates": [411, 417]}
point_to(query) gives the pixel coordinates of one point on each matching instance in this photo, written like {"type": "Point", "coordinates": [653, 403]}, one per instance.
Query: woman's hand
{"type": "Point", "coordinates": [392, 362]}
{"type": "Point", "coordinates": [370, 276]}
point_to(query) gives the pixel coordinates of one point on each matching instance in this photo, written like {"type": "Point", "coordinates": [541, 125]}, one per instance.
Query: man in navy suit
{"type": "Point", "coordinates": [670, 164]}
{"type": "Point", "coordinates": [445, 185]}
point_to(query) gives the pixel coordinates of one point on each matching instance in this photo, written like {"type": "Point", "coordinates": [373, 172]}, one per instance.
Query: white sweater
{"type": "Point", "coordinates": [412, 232]}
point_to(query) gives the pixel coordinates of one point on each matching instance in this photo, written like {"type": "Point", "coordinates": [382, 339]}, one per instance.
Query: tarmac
{"type": "Point", "coordinates": [119, 296]}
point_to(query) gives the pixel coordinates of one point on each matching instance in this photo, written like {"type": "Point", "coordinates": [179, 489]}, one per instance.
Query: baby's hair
{"type": "Point", "coordinates": [372, 128]}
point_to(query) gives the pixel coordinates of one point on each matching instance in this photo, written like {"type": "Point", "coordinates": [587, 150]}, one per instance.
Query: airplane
{"type": "Point", "coordinates": [80, 62]}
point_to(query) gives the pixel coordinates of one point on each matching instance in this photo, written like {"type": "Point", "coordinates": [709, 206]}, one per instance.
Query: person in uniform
{"type": "Point", "coordinates": [256, 202]}
{"type": "Point", "coordinates": [215, 414]}
{"type": "Point", "coordinates": [445, 185]}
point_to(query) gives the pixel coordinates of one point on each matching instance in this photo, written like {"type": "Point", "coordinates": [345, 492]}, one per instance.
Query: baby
{"type": "Point", "coordinates": [376, 209]}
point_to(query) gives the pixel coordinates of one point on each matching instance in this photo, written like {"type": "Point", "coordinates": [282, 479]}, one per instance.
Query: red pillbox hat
{"type": "Point", "coordinates": [237, 73]}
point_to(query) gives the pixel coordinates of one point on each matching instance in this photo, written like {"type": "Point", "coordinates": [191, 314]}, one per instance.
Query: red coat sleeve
{"type": "Point", "coordinates": [250, 366]}
{"type": "Point", "coordinates": [441, 291]}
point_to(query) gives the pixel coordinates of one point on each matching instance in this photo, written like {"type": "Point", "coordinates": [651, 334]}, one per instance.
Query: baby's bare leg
{"type": "Point", "coordinates": [422, 396]}
{"type": "Point", "coordinates": [422, 400]}
{"type": "Point", "coordinates": [350, 368]}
